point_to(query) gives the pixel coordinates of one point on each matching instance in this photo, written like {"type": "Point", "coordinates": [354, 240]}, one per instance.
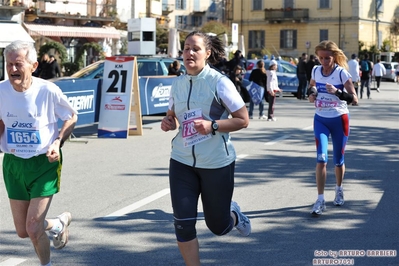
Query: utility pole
{"type": "Point", "coordinates": [377, 21]}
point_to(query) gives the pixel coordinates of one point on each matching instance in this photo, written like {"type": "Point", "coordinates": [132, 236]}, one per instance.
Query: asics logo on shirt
{"type": "Point", "coordinates": [22, 125]}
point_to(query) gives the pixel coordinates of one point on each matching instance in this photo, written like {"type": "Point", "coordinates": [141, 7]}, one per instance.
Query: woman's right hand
{"type": "Point", "coordinates": [168, 123]}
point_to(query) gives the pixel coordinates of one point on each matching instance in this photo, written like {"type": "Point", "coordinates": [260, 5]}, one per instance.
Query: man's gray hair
{"type": "Point", "coordinates": [15, 46]}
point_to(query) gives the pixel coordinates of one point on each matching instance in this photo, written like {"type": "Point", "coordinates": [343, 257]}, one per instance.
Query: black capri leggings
{"type": "Point", "coordinates": [215, 186]}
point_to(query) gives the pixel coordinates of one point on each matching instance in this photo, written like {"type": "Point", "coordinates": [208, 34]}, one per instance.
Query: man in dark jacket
{"type": "Point", "coordinates": [237, 60]}
{"type": "Point", "coordinates": [301, 74]}
{"type": "Point", "coordinates": [367, 67]}
{"type": "Point", "coordinates": [51, 69]}
{"type": "Point", "coordinates": [309, 66]}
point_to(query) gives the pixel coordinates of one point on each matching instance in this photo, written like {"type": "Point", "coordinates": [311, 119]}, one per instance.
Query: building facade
{"type": "Point", "coordinates": [292, 27]}
{"type": "Point", "coordinates": [189, 15]}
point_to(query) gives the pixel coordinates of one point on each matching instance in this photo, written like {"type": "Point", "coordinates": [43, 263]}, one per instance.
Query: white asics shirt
{"type": "Point", "coordinates": [30, 117]}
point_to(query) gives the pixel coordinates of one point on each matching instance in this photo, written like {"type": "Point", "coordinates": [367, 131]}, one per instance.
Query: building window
{"type": "Point", "coordinates": [212, 19]}
{"type": "Point", "coordinates": [256, 39]}
{"type": "Point", "coordinates": [196, 21]}
{"type": "Point", "coordinates": [324, 4]}
{"type": "Point", "coordinates": [212, 7]}
{"type": "Point", "coordinates": [288, 39]}
{"type": "Point", "coordinates": [256, 4]}
{"type": "Point", "coordinates": [180, 4]}
{"type": "Point", "coordinates": [133, 36]}
{"type": "Point", "coordinates": [323, 35]}
{"type": "Point", "coordinates": [288, 3]}
{"type": "Point", "coordinates": [181, 21]}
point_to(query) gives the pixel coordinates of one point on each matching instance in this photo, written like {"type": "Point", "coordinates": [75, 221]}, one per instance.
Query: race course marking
{"type": "Point", "coordinates": [12, 262]}
{"type": "Point", "coordinates": [136, 205]}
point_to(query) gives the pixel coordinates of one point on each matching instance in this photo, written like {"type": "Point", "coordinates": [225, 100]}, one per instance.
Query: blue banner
{"type": "Point", "coordinates": [154, 94]}
{"type": "Point", "coordinates": [84, 96]}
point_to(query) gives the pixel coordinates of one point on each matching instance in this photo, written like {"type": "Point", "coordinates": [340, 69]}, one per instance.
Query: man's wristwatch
{"type": "Point", "coordinates": [215, 127]}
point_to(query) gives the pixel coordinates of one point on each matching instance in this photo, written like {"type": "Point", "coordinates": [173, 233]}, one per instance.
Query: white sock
{"type": "Point", "coordinates": [48, 264]}
{"type": "Point", "coordinates": [338, 187]}
{"type": "Point", "coordinates": [320, 197]}
{"type": "Point", "coordinates": [57, 227]}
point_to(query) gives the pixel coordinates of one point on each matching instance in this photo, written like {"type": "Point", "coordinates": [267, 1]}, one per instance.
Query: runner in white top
{"type": "Point", "coordinates": [29, 110]}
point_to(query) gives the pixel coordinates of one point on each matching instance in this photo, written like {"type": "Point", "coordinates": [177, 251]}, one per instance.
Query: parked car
{"type": "Point", "coordinates": [286, 74]}
{"type": "Point", "coordinates": [390, 73]}
{"type": "Point", "coordinates": [146, 66]}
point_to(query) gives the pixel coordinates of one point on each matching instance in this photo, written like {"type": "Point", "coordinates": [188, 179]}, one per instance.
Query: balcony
{"type": "Point", "coordinates": [288, 14]}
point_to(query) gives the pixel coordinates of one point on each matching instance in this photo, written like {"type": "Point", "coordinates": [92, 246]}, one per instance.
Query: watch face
{"type": "Point", "coordinates": [215, 126]}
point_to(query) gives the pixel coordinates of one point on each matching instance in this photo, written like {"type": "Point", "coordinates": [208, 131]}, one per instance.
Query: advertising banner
{"type": "Point", "coordinates": [154, 94]}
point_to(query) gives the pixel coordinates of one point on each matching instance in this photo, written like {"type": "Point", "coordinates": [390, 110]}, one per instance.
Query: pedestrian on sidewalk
{"type": "Point", "coordinates": [367, 67]}
{"type": "Point", "coordinates": [272, 89]}
{"type": "Point", "coordinates": [258, 76]}
{"type": "Point", "coordinates": [378, 71]}
{"type": "Point", "coordinates": [203, 157]}
{"type": "Point", "coordinates": [331, 90]}
{"type": "Point", "coordinates": [354, 70]}
{"type": "Point", "coordinates": [29, 110]}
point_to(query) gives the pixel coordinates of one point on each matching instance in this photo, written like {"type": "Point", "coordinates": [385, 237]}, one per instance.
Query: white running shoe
{"type": "Point", "coordinates": [273, 119]}
{"type": "Point", "coordinates": [263, 117]}
{"type": "Point", "coordinates": [319, 207]}
{"type": "Point", "coordinates": [61, 239]}
{"type": "Point", "coordinates": [339, 197]}
{"type": "Point", "coordinates": [243, 224]}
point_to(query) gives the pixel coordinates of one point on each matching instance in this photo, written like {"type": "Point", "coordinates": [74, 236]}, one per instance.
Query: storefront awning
{"type": "Point", "coordinates": [71, 31]}
{"type": "Point", "coordinates": [11, 32]}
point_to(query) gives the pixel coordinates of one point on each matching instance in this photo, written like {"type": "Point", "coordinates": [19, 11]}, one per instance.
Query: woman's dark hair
{"type": "Point", "coordinates": [212, 43]}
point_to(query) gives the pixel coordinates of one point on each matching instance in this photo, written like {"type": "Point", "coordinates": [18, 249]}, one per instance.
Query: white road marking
{"type": "Point", "coordinates": [145, 201]}
{"type": "Point", "coordinates": [277, 140]}
{"type": "Point", "coordinates": [12, 262]}
{"type": "Point", "coordinates": [137, 205]}
{"type": "Point", "coordinates": [285, 137]}
{"type": "Point", "coordinates": [241, 156]}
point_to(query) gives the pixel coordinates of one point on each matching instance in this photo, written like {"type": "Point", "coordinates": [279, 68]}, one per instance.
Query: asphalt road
{"type": "Point", "coordinates": [117, 192]}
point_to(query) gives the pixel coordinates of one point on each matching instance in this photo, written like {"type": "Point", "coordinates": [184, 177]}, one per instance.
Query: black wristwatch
{"type": "Point", "coordinates": [215, 127]}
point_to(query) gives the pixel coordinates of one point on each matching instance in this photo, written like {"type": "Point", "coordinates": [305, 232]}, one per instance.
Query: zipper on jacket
{"type": "Point", "coordinates": [188, 108]}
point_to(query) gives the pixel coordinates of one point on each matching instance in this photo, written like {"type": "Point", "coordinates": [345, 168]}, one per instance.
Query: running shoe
{"type": "Point", "coordinates": [244, 224]}
{"type": "Point", "coordinates": [319, 207]}
{"type": "Point", "coordinates": [263, 117]}
{"type": "Point", "coordinates": [61, 239]}
{"type": "Point", "coordinates": [273, 119]}
{"type": "Point", "coordinates": [339, 197]}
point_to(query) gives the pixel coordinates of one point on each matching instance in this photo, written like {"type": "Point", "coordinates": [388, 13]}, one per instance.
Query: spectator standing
{"type": "Point", "coordinates": [174, 68]}
{"type": "Point", "coordinates": [378, 71]}
{"type": "Point", "coordinates": [272, 89]}
{"type": "Point", "coordinates": [367, 68]}
{"type": "Point", "coordinates": [237, 60]}
{"type": "Point", "coordinates": [258, 76]}
{"type": "Point", "coordinates": [354, 70]}
{"type": "Point", "coordinates": [205, 106]}
{"type": "Point", "coordinates": [29, 110]}
{"type": "Point", "coordinates": [51, 69]}
{"type": "Point", "coordinates": [301, 75]}
{"type": "Point", "coordinates": [42, 65]}
{"type": "Point", "coordinates": [331, 90]}
{"type": "Point", "coordinates": [236, 78]}
{"type": "Point", "coordinates": [309, 66]}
